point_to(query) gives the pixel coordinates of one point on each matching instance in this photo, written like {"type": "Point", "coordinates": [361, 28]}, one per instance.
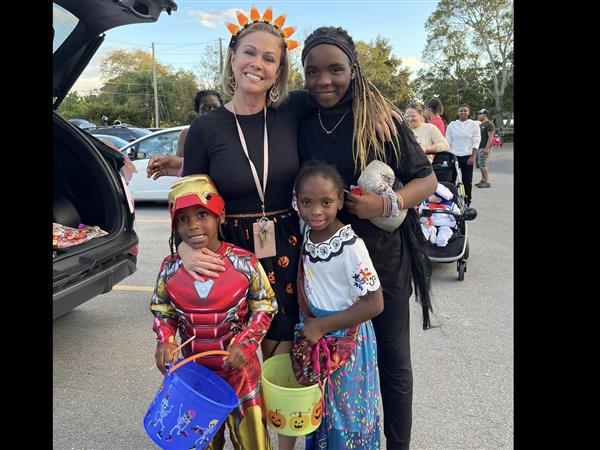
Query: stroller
{"type": "Point", "coordinates": [447, 171]}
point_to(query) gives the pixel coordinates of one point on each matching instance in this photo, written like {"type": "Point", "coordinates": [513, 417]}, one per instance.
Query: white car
{"type": "Point", "coordinates": [140, 151]}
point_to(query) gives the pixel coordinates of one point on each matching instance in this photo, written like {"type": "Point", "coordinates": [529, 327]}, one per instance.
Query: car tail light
{"type": "Point", "coordinates": [134, 250]}
{"type": "Point", "coordinates": [130, 201]}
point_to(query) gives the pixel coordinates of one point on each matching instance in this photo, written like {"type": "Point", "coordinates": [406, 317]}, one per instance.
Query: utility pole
{"type": "Point", "coordinates": [155, 91]}
{"type": "Point", "coordinates": [220, 55]}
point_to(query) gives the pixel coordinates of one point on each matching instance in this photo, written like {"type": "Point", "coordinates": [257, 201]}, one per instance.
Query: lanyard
{"type": "Point", "coordinates": [261, 192]}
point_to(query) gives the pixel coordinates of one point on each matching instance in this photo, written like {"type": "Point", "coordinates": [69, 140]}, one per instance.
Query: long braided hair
{"type": "Point", "coordinates": [369, 106]}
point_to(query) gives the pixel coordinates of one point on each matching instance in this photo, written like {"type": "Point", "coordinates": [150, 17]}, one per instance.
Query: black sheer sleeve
{"type": "Point", "coordinates": [195, 151]}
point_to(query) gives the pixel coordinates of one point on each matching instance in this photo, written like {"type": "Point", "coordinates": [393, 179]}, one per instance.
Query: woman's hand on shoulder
{"type": "Point", "coordinates": [200, 262]}
{"type": "Point", "coordinates": [163, 166]}
{"type": "Point", "coordinates": [386, 128]}
{"type": "Point", "coordinates": [366, 206]}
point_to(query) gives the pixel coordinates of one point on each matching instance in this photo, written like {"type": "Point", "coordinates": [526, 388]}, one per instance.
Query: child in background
{"type": "Point", "coordinates": [232, 312]}
{"type": "Point", "coordinates": [342, 291]}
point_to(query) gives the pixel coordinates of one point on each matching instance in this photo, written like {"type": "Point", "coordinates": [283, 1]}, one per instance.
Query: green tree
{"type": "Point", "coordinates": [385, 71]}
{"type": "Point", "coordinates": [73, 107]}
{"type": "Point", "coordinates": [128, 92]}
{"type": "Point", "coordinates": [470, 34]}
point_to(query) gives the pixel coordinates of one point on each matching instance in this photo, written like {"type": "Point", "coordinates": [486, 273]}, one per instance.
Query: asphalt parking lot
{"type": "Point", "coordinates": [104, 375]}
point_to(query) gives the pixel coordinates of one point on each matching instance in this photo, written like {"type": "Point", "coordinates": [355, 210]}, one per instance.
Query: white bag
{"type": "Point", "coordinates": [377, 177]}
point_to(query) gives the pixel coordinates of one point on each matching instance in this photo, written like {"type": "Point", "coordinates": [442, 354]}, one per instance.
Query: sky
{"type": "Point", "coordinates": [181, 38]}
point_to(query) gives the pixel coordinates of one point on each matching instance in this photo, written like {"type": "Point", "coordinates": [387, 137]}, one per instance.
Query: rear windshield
{"type": "Point", "coordinates": [64, 23]}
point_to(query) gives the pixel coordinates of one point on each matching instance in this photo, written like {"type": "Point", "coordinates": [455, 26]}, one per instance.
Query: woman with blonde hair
{"type": "Point", "coordinates": [248, 148]}
{"type": "Point", "coordinates": [428, 135]}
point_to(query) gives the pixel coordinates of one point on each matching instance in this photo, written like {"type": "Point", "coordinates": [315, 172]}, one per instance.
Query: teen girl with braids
{"type": "Point", "coordinates": [341, 131]}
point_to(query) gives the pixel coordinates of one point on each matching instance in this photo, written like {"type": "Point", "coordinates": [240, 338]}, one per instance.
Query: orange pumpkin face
{"type": "Point", "coordinates": [276, 419]}
{"type": "Point", "coordinates": [289, 288]}
{"type": "Point", "coordinates": [271, 277]}
{"type": "Point", "coordinates": [283, 261]}
{"type": "Point", "coordinates": [293, 240]}
{"type": "Point", "coordinates": [315, 415]}
{"type": "Point", "coordinates": [298, 422]}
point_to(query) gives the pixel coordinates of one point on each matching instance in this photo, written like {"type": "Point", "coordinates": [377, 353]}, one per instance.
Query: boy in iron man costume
{"type": "Point", "coordinates": [232, 312]}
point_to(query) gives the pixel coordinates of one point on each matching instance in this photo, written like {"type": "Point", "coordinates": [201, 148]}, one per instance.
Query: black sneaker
{"type": "Point", "coordinates": [480, 183]}
{"type": "Point", "coordinates": [485, 184]}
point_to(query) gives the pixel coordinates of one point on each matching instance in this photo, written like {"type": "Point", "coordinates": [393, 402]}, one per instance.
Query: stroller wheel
{"type": "Point", "coordinates": [461, 266]}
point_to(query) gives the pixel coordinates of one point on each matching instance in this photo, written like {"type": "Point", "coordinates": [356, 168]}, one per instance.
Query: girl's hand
{"type": "Point", "coordinates": [312, 330]}
{"type": "Point", "coordinates": [163, 166]}
{"type": "Point", "coordinates": [164, 355]}
{"type": "Point", "coordinates": [366, 206]}
{"type": "Point", "coordinates": [236, 359]}
{"type": "Point", "coordinates": [204, 262]}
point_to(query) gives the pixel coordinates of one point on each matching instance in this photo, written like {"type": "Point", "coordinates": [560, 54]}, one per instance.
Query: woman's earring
{"type": "Point", "coordinates": [274, 94]}
{"type": "Point", "coordinates": [234, 84]}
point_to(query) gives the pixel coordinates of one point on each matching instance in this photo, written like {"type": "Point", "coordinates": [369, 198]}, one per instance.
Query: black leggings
{"type": "Point", "coordinates": [395, 372]}
{"type": "Point", "coordinates": [467, 176]}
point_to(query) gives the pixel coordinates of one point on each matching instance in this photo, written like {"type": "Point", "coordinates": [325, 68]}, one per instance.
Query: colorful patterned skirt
{"type": "Point", "coordinates": [281, 269]}
{"type": "Point", "coordinates": [351, 414]}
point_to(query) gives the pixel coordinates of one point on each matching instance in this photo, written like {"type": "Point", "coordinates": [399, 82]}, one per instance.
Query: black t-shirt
{"type": "Point", "coordinates": [389, 253]}
{"type": "Point", "coordinates": [213, 147]}
{"type": "Point", "coordinates": [485, 128]}
{"type": "Point", "coordinates": [336, 148]}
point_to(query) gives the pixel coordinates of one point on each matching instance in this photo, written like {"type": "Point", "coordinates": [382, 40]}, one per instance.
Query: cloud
{"type": "Point", "coordinates": [214, 19]}
{"type": "Point", "coordinates": [91, 77]}
{"type": "Point", "coordinates": [414, 63]}
{"type": "Point", "coordinates": [86, 83]}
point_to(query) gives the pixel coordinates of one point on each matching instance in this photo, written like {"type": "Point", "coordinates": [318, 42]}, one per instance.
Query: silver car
{"type": "Point", "coordinates": [140, 151]}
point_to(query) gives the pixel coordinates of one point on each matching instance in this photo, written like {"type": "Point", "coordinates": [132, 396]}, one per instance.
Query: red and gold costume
{"type": "Point", "coordinates": [234, 309]}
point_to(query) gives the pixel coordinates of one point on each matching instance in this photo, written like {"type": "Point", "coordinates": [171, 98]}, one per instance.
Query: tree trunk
{"type": "Point", "coordinates": [498, 107]}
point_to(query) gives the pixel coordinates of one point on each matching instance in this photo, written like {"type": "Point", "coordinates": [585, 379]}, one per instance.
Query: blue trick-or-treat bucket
{"type": "Point", "coordinates": [190, 406]}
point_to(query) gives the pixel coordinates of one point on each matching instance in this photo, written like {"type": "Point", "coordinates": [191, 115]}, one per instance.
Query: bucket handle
{"type": "Point", "coordinates": [197, 355]}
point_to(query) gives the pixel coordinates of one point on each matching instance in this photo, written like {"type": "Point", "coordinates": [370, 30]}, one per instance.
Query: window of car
{"type": "Point", "coordinates": [64, 23]}
{"type": "Point", "coordinates": [163, 144]}
{"type": "Point", "coordinates": [128, 134]}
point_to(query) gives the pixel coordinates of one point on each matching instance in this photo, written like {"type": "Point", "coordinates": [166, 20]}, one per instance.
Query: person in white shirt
{"type": "Point", "coordinates": [463, 136]}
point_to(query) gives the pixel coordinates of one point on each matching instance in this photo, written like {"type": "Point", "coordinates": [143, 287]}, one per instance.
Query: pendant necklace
{"type": "Point", "coordinates": [336, 125]}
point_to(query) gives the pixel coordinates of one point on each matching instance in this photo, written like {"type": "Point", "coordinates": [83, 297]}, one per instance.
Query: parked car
{"type": "Point", "coordinates": [82, 123]}
{"type": "Point", "coordinates": [87, 186]}
{"type": "Point", "coordinates": [140, 151]}
{"type": "Point", "coordinates": [116, 141]}
{"type": "Point", "coordinates": [126, 133]}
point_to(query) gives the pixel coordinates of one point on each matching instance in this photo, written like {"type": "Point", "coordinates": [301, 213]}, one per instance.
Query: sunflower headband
{"type": "Point", "coordinates": [266, 18]}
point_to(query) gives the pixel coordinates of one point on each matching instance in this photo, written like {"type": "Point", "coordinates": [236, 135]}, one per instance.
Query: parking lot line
{"type": "Point", "coordinates": [124, 287]}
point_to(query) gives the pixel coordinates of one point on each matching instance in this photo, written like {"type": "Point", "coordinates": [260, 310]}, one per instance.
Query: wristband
{"type": "Point", "coordinates": [171, 340]}
{"type": "Point", "coordinates": [400, 200]}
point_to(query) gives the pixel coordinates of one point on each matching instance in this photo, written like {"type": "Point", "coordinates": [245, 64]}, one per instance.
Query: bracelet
{"type": "Point", "coordinates": [171, 340]}
{"type": "Point", "coordinates": [386, 207]}
{"type": "Point", "coordinates": [400, 200]}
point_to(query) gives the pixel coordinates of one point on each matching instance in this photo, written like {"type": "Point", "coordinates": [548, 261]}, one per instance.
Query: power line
{"type": "Point", "coordinates": [187, 45]}
{"type": "Point", "coordinates": [128, 43]}
{"type": "Point", "coordinates": [167, 53]}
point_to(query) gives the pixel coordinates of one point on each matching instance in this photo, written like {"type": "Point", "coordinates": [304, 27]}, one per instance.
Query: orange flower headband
{"type": "Point", "coordinates": [266, 18]}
